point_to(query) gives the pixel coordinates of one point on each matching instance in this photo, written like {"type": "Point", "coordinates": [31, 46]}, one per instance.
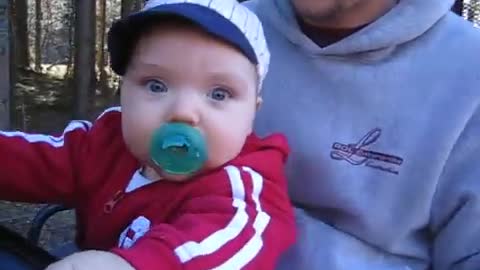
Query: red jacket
{"type": "Point", "coordinates": [235, 217]}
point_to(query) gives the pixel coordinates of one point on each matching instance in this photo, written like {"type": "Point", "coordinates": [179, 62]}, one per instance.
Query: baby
{"type": "Point", "coordinates": [175, 179]}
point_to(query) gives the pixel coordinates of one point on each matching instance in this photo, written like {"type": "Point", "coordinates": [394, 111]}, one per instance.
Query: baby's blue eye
{"type": "Point", "coordinates": [220, 94]}
{"type": "Point", "coordinates": [156, 86]}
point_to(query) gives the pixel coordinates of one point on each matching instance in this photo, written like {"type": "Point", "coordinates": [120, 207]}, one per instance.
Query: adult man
{"type": "Point", "coordinates": [380, 101]}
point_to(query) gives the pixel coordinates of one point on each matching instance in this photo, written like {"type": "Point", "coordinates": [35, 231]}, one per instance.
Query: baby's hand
{"type": "Point", "coordinates": [92, 260]}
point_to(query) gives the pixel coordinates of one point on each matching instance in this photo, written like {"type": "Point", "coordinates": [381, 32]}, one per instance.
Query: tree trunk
{"type": "Point", "coordinates": [38, 35]}
{"type": "Point", "coordinates": [84, 62]}
{"type": "Point", "coordinates": [101, 47]}
{"type": "Point", "coordinates": [5, 76]}
{"type": "Point", "coordinates": [138, 5]}
{"type": "Point", "coordinates": [21, 34]}
{"type": "Point", "coordinates": [71, 43]}
{"type": "Point", "coordinates": [127, 7]}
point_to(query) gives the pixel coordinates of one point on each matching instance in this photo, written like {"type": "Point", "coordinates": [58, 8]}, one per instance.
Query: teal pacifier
{"type": "Point", "coordinates": [178, 148]}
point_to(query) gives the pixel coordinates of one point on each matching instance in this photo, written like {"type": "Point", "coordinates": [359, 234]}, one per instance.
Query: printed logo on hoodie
{"type": "Point", "coordinates": [358, 154]}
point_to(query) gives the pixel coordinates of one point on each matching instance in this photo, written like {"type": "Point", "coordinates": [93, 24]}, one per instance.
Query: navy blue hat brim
{"type": "Point", "coordinates": [123, 34]}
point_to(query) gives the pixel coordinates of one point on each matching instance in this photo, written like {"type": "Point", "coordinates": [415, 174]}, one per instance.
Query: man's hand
{"type": "Point", "coordinates": [92, 260]}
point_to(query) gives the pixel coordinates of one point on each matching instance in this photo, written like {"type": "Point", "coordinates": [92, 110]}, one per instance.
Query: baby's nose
{"type": "Point", "coordinates": [185, 110]}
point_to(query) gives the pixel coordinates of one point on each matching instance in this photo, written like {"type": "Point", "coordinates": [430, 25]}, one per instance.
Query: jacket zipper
{"type": "Point", "coordinates": [110, 205]}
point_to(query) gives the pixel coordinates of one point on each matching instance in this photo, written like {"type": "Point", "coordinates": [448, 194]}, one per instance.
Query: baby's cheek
{"type": "Point", "coordinates": [137, 142]}
{"type": "Point", "coordinates": [225, 148]}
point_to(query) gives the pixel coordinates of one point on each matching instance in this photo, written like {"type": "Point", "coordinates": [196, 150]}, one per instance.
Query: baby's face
{"type": "Point", "coordinates": [180, 74]}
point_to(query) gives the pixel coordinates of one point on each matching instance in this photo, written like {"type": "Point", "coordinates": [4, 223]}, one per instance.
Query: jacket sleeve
{"type": "Point", "coordinates": [247, 227]}
{"type": "Point", "coordinates": [40, 168]}
{"type": "Point", "coordinates": [456, 206]}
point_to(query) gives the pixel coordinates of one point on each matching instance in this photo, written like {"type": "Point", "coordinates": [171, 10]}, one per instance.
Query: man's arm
{"type": "Point", "coordinates": [456, 206]}
{"type": "Point", "coordinates": [91, 260]}
{"type": "Point", "coordinates": [246, 223]}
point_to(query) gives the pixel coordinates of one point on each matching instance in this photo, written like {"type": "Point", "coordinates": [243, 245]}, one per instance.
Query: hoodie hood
{"type": "Point", "coordinates": [266, 155]}
{"type": "Point", "coordinates": [406, 21]}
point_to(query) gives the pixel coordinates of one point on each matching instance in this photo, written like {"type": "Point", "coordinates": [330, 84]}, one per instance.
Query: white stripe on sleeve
{"type": "Point", "coordinates": [254, 245]}
{"type": "Point", "coordinates": [218, 239]}
{"type": "Point", "coordinates": [54, 141]}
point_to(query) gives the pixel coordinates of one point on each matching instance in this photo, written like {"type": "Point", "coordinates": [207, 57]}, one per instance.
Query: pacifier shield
{"type": "Point", "coordinates": [178, 148]}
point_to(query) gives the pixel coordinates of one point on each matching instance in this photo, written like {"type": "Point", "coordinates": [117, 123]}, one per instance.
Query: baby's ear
{"type": "Point", "coordinates": [259, 102]}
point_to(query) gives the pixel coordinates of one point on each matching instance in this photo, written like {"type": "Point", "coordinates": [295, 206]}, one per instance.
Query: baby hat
{"type": "Point", "coordinates": [225, 19]}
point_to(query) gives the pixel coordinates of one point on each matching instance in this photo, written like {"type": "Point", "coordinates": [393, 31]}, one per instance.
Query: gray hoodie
{"type": "Point", "coordinates": [384, 127]}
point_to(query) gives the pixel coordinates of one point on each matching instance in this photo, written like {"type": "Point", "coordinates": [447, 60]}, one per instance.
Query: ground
{"type": "Point", "coordinates": [43, 104]}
